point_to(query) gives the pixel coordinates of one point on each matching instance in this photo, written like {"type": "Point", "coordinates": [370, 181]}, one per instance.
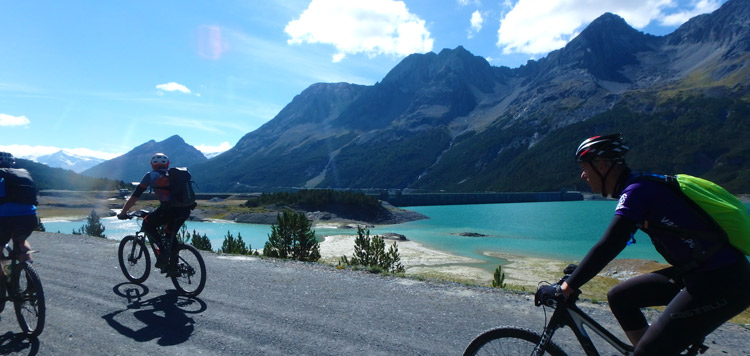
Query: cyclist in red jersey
{"type": "Point", "coordinates": [171, 217]}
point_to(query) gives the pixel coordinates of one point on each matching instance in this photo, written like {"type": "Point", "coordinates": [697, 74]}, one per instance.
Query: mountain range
{"type": "Point", "coordinates": [68, 160]}
{"type": "Point", "coordinates": [452, 122]}
{"type": "Point", "coordinates": [131, 166]}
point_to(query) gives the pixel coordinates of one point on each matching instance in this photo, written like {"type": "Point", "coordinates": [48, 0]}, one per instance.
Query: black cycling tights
{"type": "Point", "coordinates": [171, 218]}
{"type": "Point", "coordinates": [695, 305]}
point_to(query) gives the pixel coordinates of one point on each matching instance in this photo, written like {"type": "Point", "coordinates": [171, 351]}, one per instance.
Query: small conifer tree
{"type": "Point", "coordinates": [293, 238]}
{"type": "Point", "coordinates": [202, 242]}
{"type": "Point", "coordinates": [370, 252]}
{"type": "Point", "coordinates": [235, 245]}
{"type": "Point", "coordinates": [499, 278]}
{"type": "Point", "coordinates": [93, 226]}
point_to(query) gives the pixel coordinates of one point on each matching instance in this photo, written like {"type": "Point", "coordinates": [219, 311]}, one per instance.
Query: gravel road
{"type": "Point", "coordinates": [254, 306]}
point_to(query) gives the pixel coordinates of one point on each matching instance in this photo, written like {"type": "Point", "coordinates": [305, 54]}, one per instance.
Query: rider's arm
{"type": "Point", "coordinates": [133, 198]}
{"type": "Point", "coordinates": [609, 246]}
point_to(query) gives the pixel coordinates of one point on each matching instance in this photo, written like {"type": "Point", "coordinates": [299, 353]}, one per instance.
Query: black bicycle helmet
{"type": "Point", "coordinates": [608, 147]}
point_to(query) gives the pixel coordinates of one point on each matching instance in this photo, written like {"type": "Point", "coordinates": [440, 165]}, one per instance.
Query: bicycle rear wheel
{"type": "Point", "coordinates": [28, 299]}
{"type": "Point", "coordinates": [510, 341]}
{"type": "Point", "coordinates": [135, 261]}
{"type": "Point", "coordinates": [190, 275]}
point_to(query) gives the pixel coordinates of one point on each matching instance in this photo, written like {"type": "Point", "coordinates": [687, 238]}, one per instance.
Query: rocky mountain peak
{"type": "Point", "coordinates": [131, 166]}
{"type": "Point", "coordinates": [725, 25]}
{"type": "Point", "coordinates": [603, 49]}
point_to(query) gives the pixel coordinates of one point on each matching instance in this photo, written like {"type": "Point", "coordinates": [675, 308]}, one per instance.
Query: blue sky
{"type": "Point", "coordinates": [101, 77]}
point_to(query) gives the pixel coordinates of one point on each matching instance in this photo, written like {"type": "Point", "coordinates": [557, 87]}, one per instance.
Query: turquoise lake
{"type": "Point", "coordinates": [558, 230]}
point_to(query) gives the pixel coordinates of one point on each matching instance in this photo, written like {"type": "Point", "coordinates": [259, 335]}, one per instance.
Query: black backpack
{"type": "Point", "coordinates": [19, 186]}
{"type": "Point", "coordinates": [181, 188]}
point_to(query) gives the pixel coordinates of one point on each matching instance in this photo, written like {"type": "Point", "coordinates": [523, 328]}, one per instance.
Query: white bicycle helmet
{"type": "Point", "coordinates": [159, 161]}
{"type": "Point", "coordinates": [6, 160]}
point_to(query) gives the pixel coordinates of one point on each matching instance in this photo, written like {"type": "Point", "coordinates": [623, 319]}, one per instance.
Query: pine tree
{"type": "Point", "coordinates": [234, 245]}
{"type": "Point", "coordinates": [93, 226]}
{"type": "Point", "coordinates": [293, 238]}
{"type": "Point", "coordinates": [499, 278]}
{"type": "Point", "coordinates": [201, 242]}
{"type": "Point", "coordinates": [370, 252]}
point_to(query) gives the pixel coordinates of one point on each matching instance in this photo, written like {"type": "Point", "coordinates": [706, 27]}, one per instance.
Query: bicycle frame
{"type": "Point", "coordinates": [568, 314]}
{"type": "Point", "coordinates": [152, 240]}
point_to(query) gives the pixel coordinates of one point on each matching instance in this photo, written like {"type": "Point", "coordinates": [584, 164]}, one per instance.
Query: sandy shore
{"type": "Point", "coordinates": [521, 272]}
{"type": "Point", "coordinates": [420, 260]}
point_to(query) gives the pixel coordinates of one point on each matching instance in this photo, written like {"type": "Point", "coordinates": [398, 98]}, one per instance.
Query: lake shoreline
{"type": "Point", "coordinates": [521, 271]}
{"type": "Point", "coordinates": [524, 270]}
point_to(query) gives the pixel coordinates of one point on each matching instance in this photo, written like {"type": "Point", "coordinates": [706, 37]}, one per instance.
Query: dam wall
{"type": "Point", "coordinates": [423, 199]}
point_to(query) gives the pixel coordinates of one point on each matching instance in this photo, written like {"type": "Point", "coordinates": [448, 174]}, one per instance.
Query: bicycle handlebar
{"type": "Point", "coordinates": [550, 294]}
{"type": "Point", "coordinates": [133, 214]}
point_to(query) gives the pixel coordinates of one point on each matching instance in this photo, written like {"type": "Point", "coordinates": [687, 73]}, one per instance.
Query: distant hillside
{"type": "Point", "coordinates": [48, 178]}
{"type": "Point", "coordinates": [697, 135]}
{"type": "Point", "coordinates": [450, 121]}
{"type": "Point", "coordinates": [131, 166]}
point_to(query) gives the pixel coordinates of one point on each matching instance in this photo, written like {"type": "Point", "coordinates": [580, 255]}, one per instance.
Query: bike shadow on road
{"type": "Point", "coordinates": [164, 317]}
{"type": "Point", "coordinates": [18, 344]}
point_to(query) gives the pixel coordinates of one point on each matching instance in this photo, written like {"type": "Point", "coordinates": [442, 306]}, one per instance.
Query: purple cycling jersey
{"type": "Point", "coordinates": [647, 201]}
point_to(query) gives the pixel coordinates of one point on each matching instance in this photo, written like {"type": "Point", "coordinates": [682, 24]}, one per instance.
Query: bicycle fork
{"type": "Point", "coordinates": [549, 330]}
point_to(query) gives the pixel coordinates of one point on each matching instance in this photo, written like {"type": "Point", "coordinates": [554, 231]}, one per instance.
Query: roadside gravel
{"type": "Point", "coordinates": [254, 306]}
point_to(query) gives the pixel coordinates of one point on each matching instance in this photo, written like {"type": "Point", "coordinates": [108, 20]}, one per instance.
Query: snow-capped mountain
{"type": "Point", "coordinates": [210, 155]}
{"type": "Point", "coordinates": [68, 160]}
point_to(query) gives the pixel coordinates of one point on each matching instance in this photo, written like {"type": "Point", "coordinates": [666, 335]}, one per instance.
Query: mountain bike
{"type": "Point", "coordinates": [186, 267]}
{"type": "Point", "coordinates": [20, 284]}
{"type": "Point", "coordinates": [511, 340]}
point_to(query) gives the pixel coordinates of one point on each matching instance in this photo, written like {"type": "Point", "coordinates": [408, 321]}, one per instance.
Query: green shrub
{"type": "Point", "coordinates": [202, 242]}
{"type": "Point", "coordinates": [371, 253]}
{"type": "Point", "coordinates": [293, 238]}
{"type": "Point", "coordinates": [235, 245]}
{"type": "Point", "coordinates": [499, 278]}
{"type": "Point", "coordinates": [199, 241]}
{"type": "Point", "coordinates": [93, 226]}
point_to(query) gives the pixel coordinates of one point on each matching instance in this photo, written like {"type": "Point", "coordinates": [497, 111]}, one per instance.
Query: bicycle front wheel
{"type": "Point", "coordinates": [510, 341]}
{"type": "Point", "coordinates": [28, 299]}
{"type": "Point", "coordinates": [135, 261]}
{"type": "Point", "coordinates": [190, 275]}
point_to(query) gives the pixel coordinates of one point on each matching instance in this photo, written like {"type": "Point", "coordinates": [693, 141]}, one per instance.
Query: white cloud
{"type": "Point", "coordinates": [680, 17]}
{"type": "Point", "coordinates": [476, 23]}
{"type": "Point", "coordinates": [213, 150]}
{"type": "Point", "coordinates": [9, 120]}
{"type": "Point", "coordinates": [468, 2]}
{"type": "Point", "coordinates": [172, 86]}
{"type": "Point", "coordinates": [372, 27]}
{"type": "Point", "coordinates": [533, 29]}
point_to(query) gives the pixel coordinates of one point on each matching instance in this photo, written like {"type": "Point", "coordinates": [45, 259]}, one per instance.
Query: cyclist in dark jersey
{"type": "Point", "coordinates": [707, 282]}
{"type": "Point", "coordinates": [18, 219]}
{"type": "Point", "coordinates": [171, 217]}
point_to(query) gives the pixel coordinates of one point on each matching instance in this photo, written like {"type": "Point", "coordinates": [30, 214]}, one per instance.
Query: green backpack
{"type": "Point", "coordinates": [723, 208]}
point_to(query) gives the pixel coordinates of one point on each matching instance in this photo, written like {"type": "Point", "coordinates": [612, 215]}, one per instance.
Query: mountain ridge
{"type": "Point", "coordinates": [451, 121]}
{"type": "Point", "coordinates": [131, 166]}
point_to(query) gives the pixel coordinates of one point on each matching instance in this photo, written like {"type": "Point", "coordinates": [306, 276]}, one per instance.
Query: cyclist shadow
{"type": "Point", "coordinates": [163, 317]}
{"type": "Point", "coordinates": [18, 344]}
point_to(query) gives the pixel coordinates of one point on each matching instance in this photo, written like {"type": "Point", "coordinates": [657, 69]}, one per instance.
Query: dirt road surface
{"type": "Point", "coordinates": [254, 306]}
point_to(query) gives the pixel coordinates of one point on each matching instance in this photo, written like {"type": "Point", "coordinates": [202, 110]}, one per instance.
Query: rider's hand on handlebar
{"type": "Point", "coordinates": [123, 216]}
{"type": "Point", "coordinates": [548, 295]}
